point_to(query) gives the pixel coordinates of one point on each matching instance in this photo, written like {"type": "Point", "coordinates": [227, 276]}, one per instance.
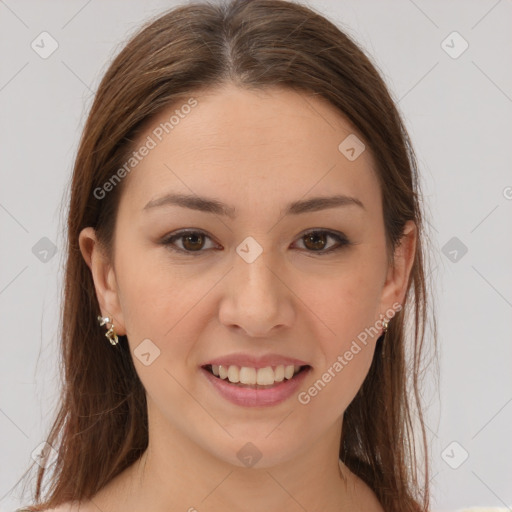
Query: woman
{"type": "Point", "coordinates": [245, 240]}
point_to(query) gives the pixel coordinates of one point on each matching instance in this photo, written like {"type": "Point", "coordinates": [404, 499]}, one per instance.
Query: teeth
{"type": "Point", "coordinates": [288, 372]}
{"type": "Point", "coordinates": [233, 374]}
{"type": "Point", "coordinates": [262, 376]}
{"type": "Point", "coordinates": [265, 376]}
{"type": "Point", "coordinates": [223, 372]}
{"type": "Point", "coordinates": [279, 373]}
{"type": "Point", "coordinates": [246, 375]}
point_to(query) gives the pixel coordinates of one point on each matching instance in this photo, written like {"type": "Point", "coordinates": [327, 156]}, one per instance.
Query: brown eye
{"type": "Point", "coordinates": [317, 241]}
{"type": "Point", "coordinates": [193, 242]}
{"type": "Point", "coordinates": [188, 242]}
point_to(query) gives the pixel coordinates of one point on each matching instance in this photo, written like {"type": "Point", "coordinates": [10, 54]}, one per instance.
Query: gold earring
{"type": "Point", "coordinates": [385, 324]}
{"type": "Point", "coordinates": [111, 333]}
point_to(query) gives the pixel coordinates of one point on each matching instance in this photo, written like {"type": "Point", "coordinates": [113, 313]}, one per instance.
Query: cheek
{"type": "Point", "coordinates": [166, 305]}
{"type": "Point", "coordinates": [341, 305]}
{"type": "Point", "coordinates": [343, 314]}
{"type": "Point", "coordinates": [153, 294]}
{"type": "Point", "coordinates": [346, 357]}
{"type": "Point", "coordinates": [327, 396]}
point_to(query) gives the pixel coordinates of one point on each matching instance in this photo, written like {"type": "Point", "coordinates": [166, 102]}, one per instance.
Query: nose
{"type": "Point", "coordinates": [256, 298]}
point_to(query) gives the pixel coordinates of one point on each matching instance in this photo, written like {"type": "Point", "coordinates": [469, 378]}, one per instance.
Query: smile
{"type": "Point", "coordinates": [251, 387]}
{"type": "Point", "coordinates": [256, 378]}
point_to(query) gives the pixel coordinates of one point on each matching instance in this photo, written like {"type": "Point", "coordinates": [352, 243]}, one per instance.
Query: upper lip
{"type": "Point", "coordinates": [251, 361]}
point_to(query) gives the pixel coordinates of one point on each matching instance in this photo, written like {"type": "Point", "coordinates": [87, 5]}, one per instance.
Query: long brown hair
{"type": "Point", "coordinates": [101, 425]}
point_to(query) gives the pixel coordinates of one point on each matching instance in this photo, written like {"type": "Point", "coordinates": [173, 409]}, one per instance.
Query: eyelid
{"type": "Point", "coordinates": [341, 238]}
{"type": "Point", "coordinates": [176, 235]}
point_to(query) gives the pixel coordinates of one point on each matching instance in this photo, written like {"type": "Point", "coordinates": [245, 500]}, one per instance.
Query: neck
{"type": "Point", "coordinates": [176, 474]}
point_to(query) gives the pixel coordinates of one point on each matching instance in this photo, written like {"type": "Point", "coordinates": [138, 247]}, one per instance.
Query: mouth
{"type": "Point", "coordinates": [255, 378]}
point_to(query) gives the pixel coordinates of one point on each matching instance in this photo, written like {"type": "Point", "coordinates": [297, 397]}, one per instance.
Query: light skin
{"type": "Point", "coordinates": [256, 152]}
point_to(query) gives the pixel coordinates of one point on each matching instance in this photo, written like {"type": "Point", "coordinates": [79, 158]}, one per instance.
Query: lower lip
{"type": "Point", "coordinates": [249, 397]}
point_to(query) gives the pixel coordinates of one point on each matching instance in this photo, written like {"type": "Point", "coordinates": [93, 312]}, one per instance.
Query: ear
{"type": "Point", "coordinates": [395, 287]}
{"type": "Point", "coordinates": [103, 276]}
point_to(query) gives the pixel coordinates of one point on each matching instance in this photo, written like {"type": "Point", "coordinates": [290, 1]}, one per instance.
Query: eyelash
{"type": "Point", "coordinates": [340, 238]}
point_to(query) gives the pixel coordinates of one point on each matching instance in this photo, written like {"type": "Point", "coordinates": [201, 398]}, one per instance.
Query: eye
{"type": "Point", "coordinates": [315, 241]}
{"type": "Point", "coordinates": [192, 241]}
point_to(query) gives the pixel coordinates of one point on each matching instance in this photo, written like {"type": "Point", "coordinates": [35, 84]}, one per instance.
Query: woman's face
{"type": "Point", "coordinates": [249, 285]}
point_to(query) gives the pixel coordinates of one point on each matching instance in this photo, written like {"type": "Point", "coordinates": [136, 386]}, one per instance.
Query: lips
{"type": "Point", "coordinates": [255, 381]}
{"type": "Point", "coordinates": [264, 370]}
{"type": "Point", "coordinates": [251, 361]}
{"type": "Point", "coordinates": [256, 395]}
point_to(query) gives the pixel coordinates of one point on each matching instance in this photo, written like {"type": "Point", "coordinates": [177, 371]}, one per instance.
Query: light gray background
{"type": "Point", "coordinates": [458, 112]}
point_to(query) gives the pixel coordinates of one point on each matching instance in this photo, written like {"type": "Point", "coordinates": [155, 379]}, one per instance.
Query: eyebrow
{"type": "Point", "coordinates": [209, 205]}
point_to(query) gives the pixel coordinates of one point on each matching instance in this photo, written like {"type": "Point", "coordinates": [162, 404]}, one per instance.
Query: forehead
{"type": "Point", "coordinates": [251, 147]}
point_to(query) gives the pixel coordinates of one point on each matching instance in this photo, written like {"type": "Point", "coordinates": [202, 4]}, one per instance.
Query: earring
{"type": "Point", "coordinates": [111, 333]}
{"type": "Point", "coordinates": [385, 324]}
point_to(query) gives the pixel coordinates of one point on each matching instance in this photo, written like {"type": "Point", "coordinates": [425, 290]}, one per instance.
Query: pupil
{"type": "Point", "coordinates": [318, 244]}
{"type": "Point", "coordinates": [188, 238]}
